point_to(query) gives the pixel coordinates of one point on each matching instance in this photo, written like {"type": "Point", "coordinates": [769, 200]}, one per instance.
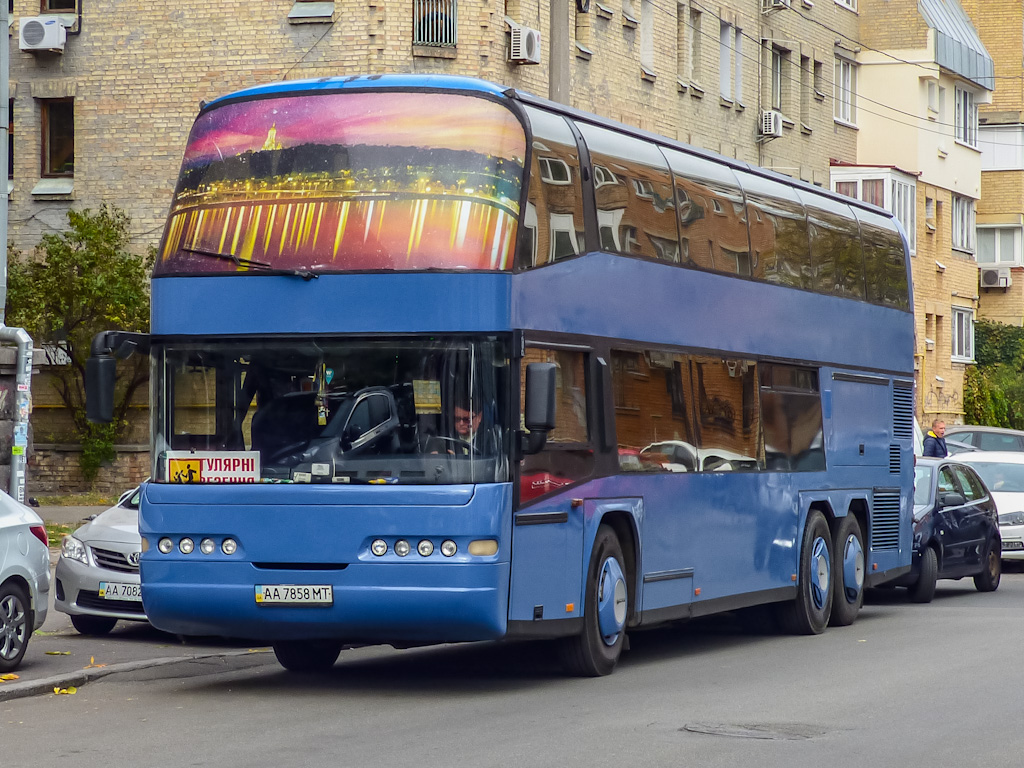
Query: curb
{"type": "Point", "coordinates": [81, 677]}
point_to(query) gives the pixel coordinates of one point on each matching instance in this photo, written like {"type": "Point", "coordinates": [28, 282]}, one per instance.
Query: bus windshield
{"type": "Point", "coordinates": [335, 182]}
{"type": "Point", "coordinates": [414, 411]}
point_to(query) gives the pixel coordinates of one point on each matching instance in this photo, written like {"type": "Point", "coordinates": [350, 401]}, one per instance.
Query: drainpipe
{"type": "Point", "coordinates": [23, 371]}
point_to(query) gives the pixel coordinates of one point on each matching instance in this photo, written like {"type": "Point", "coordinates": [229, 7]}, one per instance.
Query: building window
{"type": "Point", "coordinates": [60, 6]}
{"type": "Point", "coordinates": [966, 117]}
{"type": "Point", "coordinates": [434, 23]}
{"type": "Point", "coordinates": [963, 334]}
{"type": "Point", "coordinates": [58, 118]}
{"type": "Point", "coordinates": [725, 60]}
{"type": "Point", "coordinates": [851, 4]}
{"type": "Point", "coordinates": [738, 65]}
{"type": "Point", "coordinates": [904, 206]}
{"type": "Point", "coordinates": [999, 245]}
{"type": "Point", "coordinates": [845, 95]}
{"type": "Point", "coordinates": [554, 171]}
{"type": "Point", "coordinates": [778, 56]}
{"type": "Point", "coordinates": [963, 223]}
{"type": "Point", "coordinates": [647, 34]}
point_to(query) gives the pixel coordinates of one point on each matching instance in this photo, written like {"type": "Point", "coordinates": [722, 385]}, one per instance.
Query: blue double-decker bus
{"type": "Point", "coordinates": [434, 360]}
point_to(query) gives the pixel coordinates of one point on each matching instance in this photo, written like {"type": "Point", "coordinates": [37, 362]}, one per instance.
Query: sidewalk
{"type": "Point", "coordinates": [67, 515]}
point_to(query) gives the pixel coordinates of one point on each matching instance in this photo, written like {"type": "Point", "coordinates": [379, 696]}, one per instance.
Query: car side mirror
{"type": "Point", "coordinates": [953, 500]}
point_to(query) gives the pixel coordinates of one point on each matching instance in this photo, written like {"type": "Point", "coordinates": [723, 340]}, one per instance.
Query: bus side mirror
{"type": "Point", "coordinates": [100, 372]}
{"type": "Point", "coordinates": [539, 413]}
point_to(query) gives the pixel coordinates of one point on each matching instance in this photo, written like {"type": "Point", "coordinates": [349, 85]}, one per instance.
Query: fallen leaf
{"type": "Point", "coordinates": [8, 676]}
{"type": "Point", "coordinates": [70, 690]}
{"type": "Point", "coordinates": [58, 653]}
{"type": "Point", "coordinates": [92, 664]}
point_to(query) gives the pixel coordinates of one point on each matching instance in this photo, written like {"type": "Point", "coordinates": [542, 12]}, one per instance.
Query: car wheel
{"type": "Point", "coordinates": [848, 591]}
{"type": "Point", "coordinates": [809, 612]}
{"type": "Point", "coordinates": [595, 651]}
{"type": "Point", "coordinates": [992, 564]}
{"type": "Point", "coordinates": [93, 625]}
{"type": "Point", "coordinates": [307, 655]}
{"type": "Point", "coordinates": [15, 625]}
{"type": "Point", "coordinates": [924, 590]}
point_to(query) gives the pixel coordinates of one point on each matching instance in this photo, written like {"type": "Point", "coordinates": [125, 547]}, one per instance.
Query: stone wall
{"type": "Point", "coordinates": [54, 469]}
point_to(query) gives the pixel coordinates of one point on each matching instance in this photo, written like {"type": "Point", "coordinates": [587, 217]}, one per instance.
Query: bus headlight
{"type": "Point", "coordinates": [379, 547]}
{"type": "Point", "coordinates": [186, 546]}
{"type": "Point", "coordinates": [448, 548]}
{"type": "Point", "coordinates": [165, 545]}
{"type": "Point", "coordinates": [402, 548]}
{"type": "Point", "coordinates": [206, 546]}
{"type": "Point", "coordinates": [425, 548]}
{"type": "Point", "coordinates": [229, 546]}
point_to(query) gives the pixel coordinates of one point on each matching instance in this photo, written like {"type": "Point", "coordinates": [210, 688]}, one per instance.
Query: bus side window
{"type": "Point", "coordinates": [635, 200]}
{"type": "Point", "coordinates": [885, 263]}
{"type": "Point", "coordinates": [778, 232]}
{"type": "Point", "coordinates": [554, 208]}
{"type": "Point", "coordinates": [653, 407]}
{"type": "Point", "coordinates": [791, 414]}
{"type": "Point", "coordinates": [837, 259]}
{"type": "Point", "coordinates": [729, 417]}
{"type": "Point", "coordinates": [568, 455]}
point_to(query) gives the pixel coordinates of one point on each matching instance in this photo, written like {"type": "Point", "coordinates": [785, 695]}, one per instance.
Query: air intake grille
{"type": "Point", "coordinates": [903, 410]}
{"type": "Point", "coordinates": [894, 459]}
{"type": "Point", "coordinates": [885, 520]}
{"type": "Point", "coordinates": [113, 561]}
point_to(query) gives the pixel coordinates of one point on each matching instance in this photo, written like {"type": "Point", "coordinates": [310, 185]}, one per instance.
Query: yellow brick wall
{"type": "Point", "coordinates": [892, 24]}
{"type": "Point", "coordinates": [1000, 24]}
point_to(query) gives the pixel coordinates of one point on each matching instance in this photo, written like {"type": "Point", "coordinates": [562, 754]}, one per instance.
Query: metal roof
{"type": "Point", "coordinates": [957, 45]}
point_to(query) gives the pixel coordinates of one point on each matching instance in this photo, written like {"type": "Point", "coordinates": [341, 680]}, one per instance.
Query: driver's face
{"type": "Point", "coordinates": [466, 422]}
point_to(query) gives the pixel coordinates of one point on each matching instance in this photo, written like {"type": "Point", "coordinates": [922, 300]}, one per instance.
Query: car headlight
{"type": "Point", "coordinates": [1011, 518]}
{"type": "Point", "coordinates": [73, 549]}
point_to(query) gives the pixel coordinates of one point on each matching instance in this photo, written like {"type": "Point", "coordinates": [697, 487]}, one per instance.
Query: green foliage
{"type": "Point", "coordinates": [75, 284]}
{"type": "Point", "coordinates": [994, 389]}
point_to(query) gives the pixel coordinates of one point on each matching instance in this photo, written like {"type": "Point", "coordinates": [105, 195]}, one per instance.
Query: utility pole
{"type": "Point", "coordinates": [558, 53]}
{"type": "Point", "coordinates": [16, 402]}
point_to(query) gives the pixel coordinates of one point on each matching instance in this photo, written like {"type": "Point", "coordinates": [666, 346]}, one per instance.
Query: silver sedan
{"type": "Point", "coordinates": [24, 579]}
{"type": "Point", "coordinates": [98, 571]}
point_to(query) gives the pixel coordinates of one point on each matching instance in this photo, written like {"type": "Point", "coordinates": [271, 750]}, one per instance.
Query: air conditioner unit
{"type": "Point", "coordinates": [767, 6]}
{"type": "Point", "coordinates": [524, 45]}
{"type": "Point", "coordinates": [996, 277]}
{"type": "Point", "coordinates": [771, 122]}
{"type": "Point", "coordinates": [42, 33]}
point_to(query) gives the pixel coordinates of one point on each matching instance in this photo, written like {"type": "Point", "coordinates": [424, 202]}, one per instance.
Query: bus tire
{"type": "Point", "coordinates": [595, 651]}
{"type": "Point", "coordinates": [923, 590]}
{"type": "Point", "coordinates": [809, 612]}
{"type": "Point", "coordinates": [307, 655]}
{"type": "Point", "coordinates": [848, 579]}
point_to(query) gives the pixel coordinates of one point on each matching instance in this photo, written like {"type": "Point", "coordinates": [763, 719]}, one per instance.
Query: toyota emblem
{"type": "Point", "coordinates": [133, 559]}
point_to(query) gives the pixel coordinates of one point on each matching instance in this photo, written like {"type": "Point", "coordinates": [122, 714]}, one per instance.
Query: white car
{"type": "Point", "coordinates": [1003, 473]}
{"type": "Point", "coordinates": [24, 579]}
{"type": "Point", "coordinates": [98, 571]}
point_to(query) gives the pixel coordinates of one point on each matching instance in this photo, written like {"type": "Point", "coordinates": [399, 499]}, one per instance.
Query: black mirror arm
{"type": "Point", "coordinates": [532, 442]}
{"type": "Point", "coordinates": [120, 344]}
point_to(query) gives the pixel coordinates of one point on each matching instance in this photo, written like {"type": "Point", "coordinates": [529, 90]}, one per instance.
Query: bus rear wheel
{"type": "Point", "coordinates": [595, 651]}
{"type": "Point", "coordinates": [809, 612]}
{"type": "Point", "coordinates": [848, 593]}
{"type": "Point", "coordinates": [307, 655]}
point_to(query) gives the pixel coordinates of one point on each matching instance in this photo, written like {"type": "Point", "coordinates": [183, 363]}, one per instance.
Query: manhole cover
{"type": "Point", "coordinates": [773, 731]}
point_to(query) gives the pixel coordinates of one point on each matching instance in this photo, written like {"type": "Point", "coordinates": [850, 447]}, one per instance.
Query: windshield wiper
{"type": "Point", "coordinates": [256, 266]}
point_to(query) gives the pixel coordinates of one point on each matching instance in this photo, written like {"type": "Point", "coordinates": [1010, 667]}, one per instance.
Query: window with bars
{"type": "Point", "coordinates": [435, 23]}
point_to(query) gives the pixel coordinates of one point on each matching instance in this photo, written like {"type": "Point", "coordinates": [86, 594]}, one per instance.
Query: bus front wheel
{"type": "Point", "coordinates": [809, 613]}
{"type": "Point", "coordinates": [307, 655]}
{"type": "Point", "coordinates": [595, 651]}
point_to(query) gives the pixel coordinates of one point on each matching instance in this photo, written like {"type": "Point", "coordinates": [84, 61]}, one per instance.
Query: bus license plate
{"type": "Point", "coordinates": [294, 594]}
{"type": "Point", "coordinates": [115, 590]}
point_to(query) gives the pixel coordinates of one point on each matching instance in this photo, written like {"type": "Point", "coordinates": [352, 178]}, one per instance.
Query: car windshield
{"type": "Point", "coordinates": [412, 411]}
{"type": "Point", "coordinates": [1001, 477]}
{"type": "Point", "coordinates": [923, 484]}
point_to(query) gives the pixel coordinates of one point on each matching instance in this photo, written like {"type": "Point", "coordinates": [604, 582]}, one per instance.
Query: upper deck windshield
{"type": "Point", "coordinates": [341, 181]}
{"type": "Point", "coordinates": [415, 411]}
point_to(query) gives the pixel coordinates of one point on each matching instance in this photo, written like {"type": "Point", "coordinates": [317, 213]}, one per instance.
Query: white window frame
{"type": "Point", "coordinates": [725, 77]}
{"type": "Point", "coordinates": [899, 194]}
{"type": "Point", "coordinates": [966, 119]}
{"type": "Point", "coordinates": [547, 164]}
{"type": "Point", "coordinates": [963, 223]}
{"type": "Point", "coordinates": [844, 92]}
{"type": "Point", "coordinates": [1002, 147]}
{"type": "Point", "coordinates": [1014, 258]}
{"type": "Point", "coordinates": [850, 5]}
{"type": "Point", "coordinates": [962, 334]}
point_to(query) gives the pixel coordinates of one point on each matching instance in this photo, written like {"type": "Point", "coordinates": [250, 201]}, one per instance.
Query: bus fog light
{"type": "Point", "coordinates": [483, 547]}
{"type": "Point", "coordinates": [206, 546]}
{"type": "Point", "coordinates": [229, 547]}
{"type": "Point", "coordinates": [401, 547]}
{"type": "Point", "coordinates": [165, 545]}
{"type": "Point", "coordinates": [379, 547]}
{"type": "Point", "coordinates": [448, 548]}
{"type": "Point", "coordinates": [425, 547]}
{"type": "Point", "coordinates": [186, 546]}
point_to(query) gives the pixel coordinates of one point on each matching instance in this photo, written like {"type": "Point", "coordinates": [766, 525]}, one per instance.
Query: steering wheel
{"type": "Point", "coordinates": [458, 446]}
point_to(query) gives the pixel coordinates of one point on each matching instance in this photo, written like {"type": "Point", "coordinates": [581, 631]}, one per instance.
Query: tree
{"type": "Point", "coordinates": [75, 284]}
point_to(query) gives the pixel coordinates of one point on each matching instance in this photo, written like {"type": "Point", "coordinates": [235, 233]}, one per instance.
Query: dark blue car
{"type": "Point", "coordinates": [956, 529]}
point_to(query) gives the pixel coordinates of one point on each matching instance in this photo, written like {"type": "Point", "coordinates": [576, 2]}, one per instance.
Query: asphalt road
{"type": "Point", "coordinates": [907, 685]}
